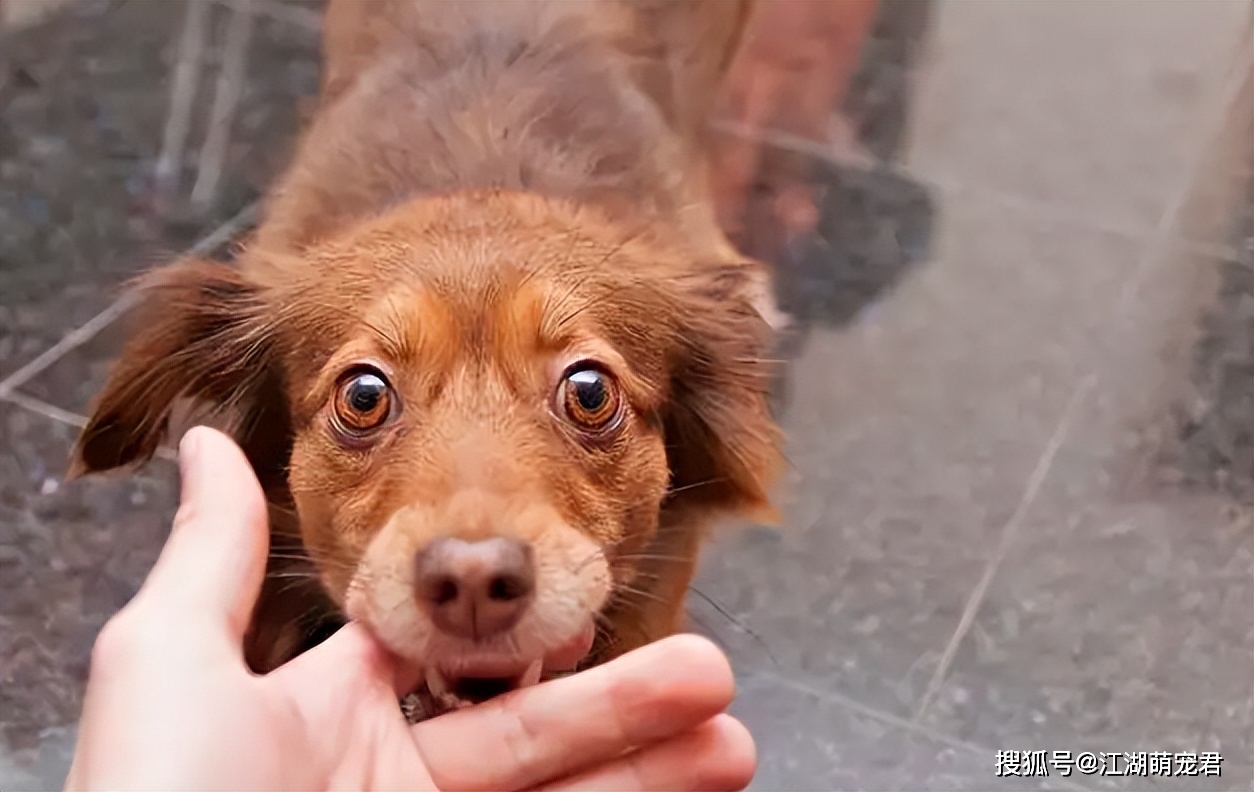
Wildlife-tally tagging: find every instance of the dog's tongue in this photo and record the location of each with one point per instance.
(567, 656)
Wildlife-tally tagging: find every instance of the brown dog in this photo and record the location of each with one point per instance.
(493, 361)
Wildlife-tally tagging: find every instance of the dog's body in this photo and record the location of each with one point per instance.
(488, 323)
(600, 102)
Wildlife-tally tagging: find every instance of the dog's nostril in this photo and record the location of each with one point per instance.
(443, 590)
(474, 589)
(508, 587)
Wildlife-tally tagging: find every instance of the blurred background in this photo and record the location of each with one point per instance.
(1017, 256)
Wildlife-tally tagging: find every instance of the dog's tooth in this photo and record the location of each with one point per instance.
(436, 683)
(532, 675)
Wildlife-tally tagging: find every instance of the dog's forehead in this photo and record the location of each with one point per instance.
(441, 282)
(506, 314)
(422, 317)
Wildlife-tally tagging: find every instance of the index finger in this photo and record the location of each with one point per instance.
(560, 727)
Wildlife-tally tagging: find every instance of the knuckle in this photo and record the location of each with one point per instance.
(117, 640)
(521, 739)
(186, 515)
(137, 632)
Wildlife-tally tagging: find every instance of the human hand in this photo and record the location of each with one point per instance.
(170, 703)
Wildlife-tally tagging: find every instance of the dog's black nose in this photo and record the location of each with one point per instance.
(475, 589)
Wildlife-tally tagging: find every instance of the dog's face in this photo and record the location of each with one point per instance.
(479, 455)
(487, 405)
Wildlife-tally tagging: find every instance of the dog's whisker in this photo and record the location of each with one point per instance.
(670, 557)
(281, 555)
(639, 593)
(293, 574)
(695, 485)
(737, 623)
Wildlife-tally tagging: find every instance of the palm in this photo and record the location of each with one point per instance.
(350, 726)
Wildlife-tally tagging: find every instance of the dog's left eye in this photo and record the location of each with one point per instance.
(589, 398)
(363, 401)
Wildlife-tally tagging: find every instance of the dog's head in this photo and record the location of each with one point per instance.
(480, 407)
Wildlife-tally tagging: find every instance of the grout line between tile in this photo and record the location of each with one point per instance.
(1165, 233)
(1155, 251)
(1009, 532)
(298, 17)
(75, 338)
(50, 411)
(886, 718)
(93, 326)
(1018, 203)
(67, 417)
(1045, 211)
(873, 713)
(814, 149)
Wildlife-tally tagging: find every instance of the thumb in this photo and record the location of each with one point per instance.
(213, 564)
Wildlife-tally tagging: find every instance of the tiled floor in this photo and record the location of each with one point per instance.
(995, 538)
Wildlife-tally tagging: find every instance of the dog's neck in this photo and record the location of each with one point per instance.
(560, 111)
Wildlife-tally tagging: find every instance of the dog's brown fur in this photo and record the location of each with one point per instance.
(489, 192)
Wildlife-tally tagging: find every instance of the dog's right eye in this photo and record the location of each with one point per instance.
(363, 401)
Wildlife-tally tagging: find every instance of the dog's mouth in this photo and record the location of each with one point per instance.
(475, 683)
(457, 682)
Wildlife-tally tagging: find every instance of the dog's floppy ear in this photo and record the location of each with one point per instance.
(199, 335)
(723, 445)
